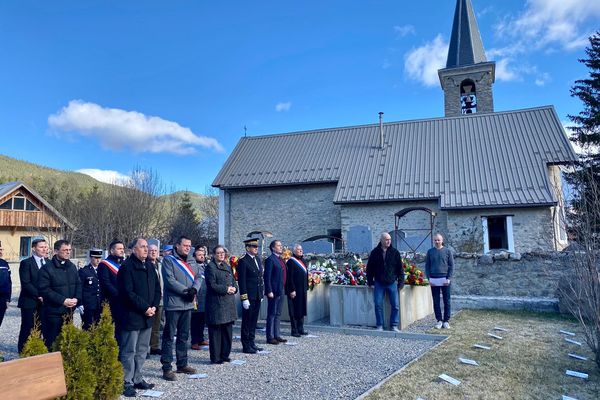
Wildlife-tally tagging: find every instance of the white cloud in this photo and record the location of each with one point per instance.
(118, 129)
(545, 23)
(283, 106)
(586, 150)
(404, 30)
(504, 71)
(386, 64)
(106, 176)
(422, 63)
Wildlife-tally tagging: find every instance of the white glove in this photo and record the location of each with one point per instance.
(246, 304)
(80, 310)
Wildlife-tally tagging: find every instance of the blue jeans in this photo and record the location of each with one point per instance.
(378, 295)
(435, 293)
(273, 317)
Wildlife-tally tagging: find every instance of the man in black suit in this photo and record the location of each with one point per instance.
(107, 275)
(30, 301)
(275, 271)
(91, 301)
(60, 287)
(250, 281)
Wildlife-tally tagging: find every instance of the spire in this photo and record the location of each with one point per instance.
(466, 47)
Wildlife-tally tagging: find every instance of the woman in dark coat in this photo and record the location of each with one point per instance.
(296, 288)
(221, 312)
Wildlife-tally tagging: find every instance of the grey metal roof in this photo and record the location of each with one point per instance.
(466, 47)
(481, 160)
(10, 187)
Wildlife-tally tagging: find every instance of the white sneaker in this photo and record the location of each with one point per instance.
(438, 325)
(446, 325)
(379, 329)
(395, 329)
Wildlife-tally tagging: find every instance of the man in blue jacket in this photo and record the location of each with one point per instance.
(275, 274)
(182, 281)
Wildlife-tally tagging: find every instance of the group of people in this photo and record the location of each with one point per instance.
(159, 303)
(180, 293)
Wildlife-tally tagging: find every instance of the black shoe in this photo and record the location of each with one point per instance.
(296, 335)
(129, 391)
(155, 352)
(272, 341)
(143, 385)
(216, 362)
(258, 348)
(249, 351)
(227, 359)
(304, 333)
(280, 339)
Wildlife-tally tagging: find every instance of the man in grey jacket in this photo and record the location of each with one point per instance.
(182, 281)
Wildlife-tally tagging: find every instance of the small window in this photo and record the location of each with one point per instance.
(18, 203)
(31, 207)
(497, 233)
(25, 246)
(7, 205)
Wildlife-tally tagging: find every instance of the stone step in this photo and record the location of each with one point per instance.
(537, 304)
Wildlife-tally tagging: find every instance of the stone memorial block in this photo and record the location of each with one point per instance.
(495, 336)
(317, 247)
(359, 239)
(566, 332)
(481, 346)
(577, 374)
(575, 342)
(467, 361)
(449, 379)
(577, 357)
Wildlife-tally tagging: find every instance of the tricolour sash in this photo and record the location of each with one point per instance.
(300, 264)
(183, 266)
(112, 266)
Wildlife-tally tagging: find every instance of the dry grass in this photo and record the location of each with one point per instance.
(529, 363)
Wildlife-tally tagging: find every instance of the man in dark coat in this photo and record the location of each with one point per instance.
(296, 288)
(30, 301)
(198, 320)
(60, 287)
(5, 285)
(251, 284)
(139, 292)
(275, 275)
(107, 274)
(385, 272)
(91, 301)
(220, 306)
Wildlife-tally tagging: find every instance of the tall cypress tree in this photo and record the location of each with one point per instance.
(586, 133)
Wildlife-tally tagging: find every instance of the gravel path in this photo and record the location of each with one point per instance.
(330, 366)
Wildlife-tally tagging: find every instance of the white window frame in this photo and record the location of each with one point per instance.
(509, 233)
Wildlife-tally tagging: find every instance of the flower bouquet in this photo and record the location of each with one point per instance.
(326, 270)
(413, 275)
(353, 274)
(233, 262)
(313, 280)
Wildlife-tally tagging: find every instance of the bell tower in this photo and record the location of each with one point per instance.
(468, 77)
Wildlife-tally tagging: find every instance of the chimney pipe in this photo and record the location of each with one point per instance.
(381, 130)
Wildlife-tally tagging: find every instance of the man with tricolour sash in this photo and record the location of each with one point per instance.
(182, 281)
(107, 275)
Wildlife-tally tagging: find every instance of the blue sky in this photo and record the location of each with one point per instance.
(170, 85)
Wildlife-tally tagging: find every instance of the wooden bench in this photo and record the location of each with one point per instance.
(33, 378)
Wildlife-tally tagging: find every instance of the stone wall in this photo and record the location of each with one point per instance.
(291, 213)
(528, 275)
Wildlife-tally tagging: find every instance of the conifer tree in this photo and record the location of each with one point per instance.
(586, 134)
(104, 353)
(79, 371)
(34, 346)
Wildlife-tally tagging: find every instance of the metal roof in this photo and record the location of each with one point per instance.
(466, 47)
(481, 160)
(9, 187)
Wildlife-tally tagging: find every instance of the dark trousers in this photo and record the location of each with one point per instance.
(274, 317)
(296, 321)
(249, 319)
(176, 323)
(198, 323)
(435, 293)
(219, 338)
(28, 317)
(90, 317)
(3, 307)
(159, 319)
(51, 326)
(116, 316)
